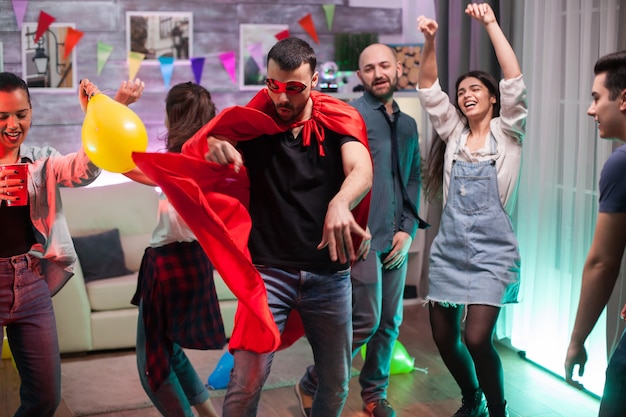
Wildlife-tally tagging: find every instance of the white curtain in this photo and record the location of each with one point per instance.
(562, 159)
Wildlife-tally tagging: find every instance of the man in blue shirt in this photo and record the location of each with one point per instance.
(379, 275)
(608, 108)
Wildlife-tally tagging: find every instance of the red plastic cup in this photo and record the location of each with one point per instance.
(21, 172)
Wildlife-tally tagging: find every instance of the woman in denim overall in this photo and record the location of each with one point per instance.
(474, 261)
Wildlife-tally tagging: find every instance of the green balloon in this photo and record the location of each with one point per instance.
(401, 362)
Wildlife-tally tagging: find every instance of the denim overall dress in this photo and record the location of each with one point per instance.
(474, 258)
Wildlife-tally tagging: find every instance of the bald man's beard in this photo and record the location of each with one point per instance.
(391, 86)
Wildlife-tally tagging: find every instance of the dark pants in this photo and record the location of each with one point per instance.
(613, 402)
(26, 311)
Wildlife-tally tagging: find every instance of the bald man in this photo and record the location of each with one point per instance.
(379, 275)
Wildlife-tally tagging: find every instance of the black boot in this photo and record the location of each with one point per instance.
(499, 410)
(474, 405)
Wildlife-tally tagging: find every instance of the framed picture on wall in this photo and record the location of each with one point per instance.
(44, 64)
(409, 56)
(255, 41)
(160, 34)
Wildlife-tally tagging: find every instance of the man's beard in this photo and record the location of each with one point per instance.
(295, 112)
(384, 94)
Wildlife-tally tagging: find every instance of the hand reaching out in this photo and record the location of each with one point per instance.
(339, 225)
(129, 91)
(481, 12)
(223, 152)
(86, 90)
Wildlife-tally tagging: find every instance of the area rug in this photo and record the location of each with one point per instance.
(105, 383)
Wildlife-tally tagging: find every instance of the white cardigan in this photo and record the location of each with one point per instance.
(508, 131)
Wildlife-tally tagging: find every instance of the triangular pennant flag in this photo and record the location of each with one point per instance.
(167, 68)
(282, 35)
(307, 23)
(71, 39)
(197, 66)
(228, 61)
(329, 11)
(45, 20)
(134, 62)
(103, 53)
(19, 8)
(256, 52)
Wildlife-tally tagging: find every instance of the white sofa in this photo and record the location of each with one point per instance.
(98, 315)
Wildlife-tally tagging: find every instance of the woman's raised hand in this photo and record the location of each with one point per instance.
(481, 12)
(427, 26)
(129, 91)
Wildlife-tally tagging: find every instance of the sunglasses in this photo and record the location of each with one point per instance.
(290, 87)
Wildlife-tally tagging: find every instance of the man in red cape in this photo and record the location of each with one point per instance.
(213, 199)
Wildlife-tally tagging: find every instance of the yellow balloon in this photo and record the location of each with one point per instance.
(111, 133)
(6, 350)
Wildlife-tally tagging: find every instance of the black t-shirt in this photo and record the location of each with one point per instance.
(17, 230)
(290, 188)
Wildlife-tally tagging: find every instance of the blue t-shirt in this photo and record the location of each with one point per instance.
(613, 183)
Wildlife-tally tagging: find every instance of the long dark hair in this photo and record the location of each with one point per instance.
(10, 82)
(432, 174)
(188, 107)
(432, 171)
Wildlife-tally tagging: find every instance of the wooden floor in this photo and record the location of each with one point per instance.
(530, 391)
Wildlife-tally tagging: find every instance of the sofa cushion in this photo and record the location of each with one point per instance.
(101, 255)
(223, 292)
(112, 293)
(134, 247)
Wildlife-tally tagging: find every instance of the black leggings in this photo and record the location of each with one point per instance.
(476, 363)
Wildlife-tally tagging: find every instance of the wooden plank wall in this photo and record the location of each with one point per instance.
(57, 117)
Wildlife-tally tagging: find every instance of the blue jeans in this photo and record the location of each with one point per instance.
(376, 317)
(26, 311)
(183, 387)
(325, 305)
(613, 402)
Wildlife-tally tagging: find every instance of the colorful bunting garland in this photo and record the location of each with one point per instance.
(44, 22)
(256, 53)
(71, 39)
(135, 59)
(228, 61)
(307, 23)
(282, 35)
(19, 8)
(329, 11)
(167, 69)
(103, 53)
(197, 66)
(134, 62)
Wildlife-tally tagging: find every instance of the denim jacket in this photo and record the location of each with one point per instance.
(47, 171)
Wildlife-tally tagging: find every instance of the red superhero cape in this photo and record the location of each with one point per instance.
(213, 199)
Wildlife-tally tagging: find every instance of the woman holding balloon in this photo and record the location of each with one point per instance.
(36, 251)
(176, 294)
